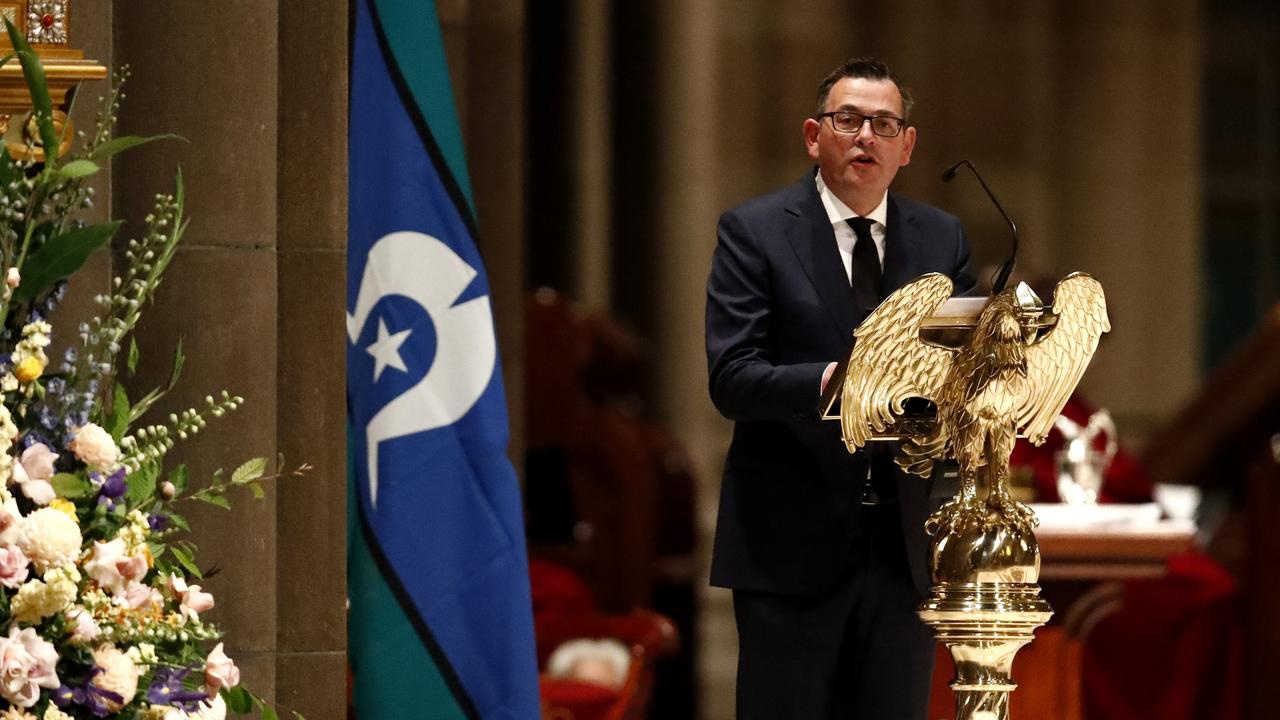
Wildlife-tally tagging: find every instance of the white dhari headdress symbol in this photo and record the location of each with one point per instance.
(426, 271)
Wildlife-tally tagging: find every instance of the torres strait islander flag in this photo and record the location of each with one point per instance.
(440, 621)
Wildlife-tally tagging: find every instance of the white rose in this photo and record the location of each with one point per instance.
(95, 447)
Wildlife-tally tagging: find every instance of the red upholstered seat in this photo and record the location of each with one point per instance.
(563, 611)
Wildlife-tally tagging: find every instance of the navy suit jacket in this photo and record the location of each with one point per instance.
(779, 309)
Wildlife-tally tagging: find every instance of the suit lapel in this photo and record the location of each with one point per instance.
(814, 242)
(900, 247)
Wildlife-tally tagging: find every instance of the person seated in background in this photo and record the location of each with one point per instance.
(604, 662)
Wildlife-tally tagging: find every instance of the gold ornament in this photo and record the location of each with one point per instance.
(1008, 374)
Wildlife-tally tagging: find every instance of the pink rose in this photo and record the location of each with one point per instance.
(27, 663)
(192, 599)
(40, 492)
(103, 566)
(37, 461)
(32, 473)
(219, 671)
(131, 567)
(84, 628)
(10, 523)
(138, 596)
(13, 567)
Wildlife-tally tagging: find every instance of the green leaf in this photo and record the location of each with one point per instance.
(178, 476)
(182, 553)
(132, 362)
(70, 486)
(38, 86)
(61, 256)
(78, 169)
(143, 404)
(248, 472)
(142, 484)
(269, 713)
(125, 142)
(219, 500)
(117, 423)
(157, 549)
(8, 170)
(258, 492)
(178, 359)
(178, 521)
(238, 699)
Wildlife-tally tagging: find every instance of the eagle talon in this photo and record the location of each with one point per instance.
(962, 513)
(1014, 512)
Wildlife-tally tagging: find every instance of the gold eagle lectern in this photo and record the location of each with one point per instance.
(1014, 371)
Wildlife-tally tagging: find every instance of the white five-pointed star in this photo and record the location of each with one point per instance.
(386, 350)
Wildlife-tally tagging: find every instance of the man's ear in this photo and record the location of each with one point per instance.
(908, 144)
(811, 129)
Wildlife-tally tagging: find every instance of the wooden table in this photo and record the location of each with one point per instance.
(1111, 552)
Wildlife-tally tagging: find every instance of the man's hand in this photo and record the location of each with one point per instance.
(826, 378)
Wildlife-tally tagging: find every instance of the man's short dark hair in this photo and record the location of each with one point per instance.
(864, 67)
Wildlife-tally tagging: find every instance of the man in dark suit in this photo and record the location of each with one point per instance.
(825, 551)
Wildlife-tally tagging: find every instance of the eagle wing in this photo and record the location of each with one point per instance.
(1056, 363)
(889, 363)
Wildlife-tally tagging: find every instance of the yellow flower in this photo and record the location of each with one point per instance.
(29, 369)
(65, 506)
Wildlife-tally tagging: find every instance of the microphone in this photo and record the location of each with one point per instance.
(1002, 276)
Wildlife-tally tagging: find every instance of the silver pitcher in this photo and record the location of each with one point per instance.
(1080, 465)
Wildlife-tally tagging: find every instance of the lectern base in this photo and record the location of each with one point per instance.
(984, 627)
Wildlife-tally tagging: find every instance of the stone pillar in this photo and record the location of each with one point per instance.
(592, 127)
(686, 208)
(310, 342)
(256, 295)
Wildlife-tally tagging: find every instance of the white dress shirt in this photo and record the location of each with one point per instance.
(839, 213)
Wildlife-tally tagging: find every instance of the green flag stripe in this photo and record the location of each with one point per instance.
(400, 674)
(411, 31)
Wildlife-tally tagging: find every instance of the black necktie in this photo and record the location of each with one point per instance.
(866, 276)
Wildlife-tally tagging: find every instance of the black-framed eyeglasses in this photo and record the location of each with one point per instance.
(851, 122)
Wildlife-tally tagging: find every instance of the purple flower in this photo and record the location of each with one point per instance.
(89, 696)
(158, 523)
(168, 689)
(32, 437)
(64, 696)
(114, 486)
(95, 700)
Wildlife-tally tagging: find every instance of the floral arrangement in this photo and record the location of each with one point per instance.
(101, 606)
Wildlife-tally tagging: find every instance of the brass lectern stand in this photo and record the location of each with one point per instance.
(994, 368)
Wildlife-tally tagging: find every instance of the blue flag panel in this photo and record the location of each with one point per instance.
(435, 505)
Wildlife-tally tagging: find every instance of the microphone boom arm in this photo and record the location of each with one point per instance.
(1002, 277)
